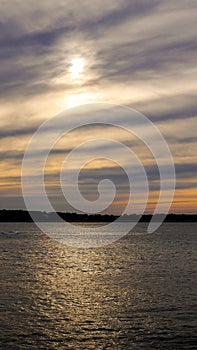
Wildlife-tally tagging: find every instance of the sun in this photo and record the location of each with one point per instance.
(76, 67)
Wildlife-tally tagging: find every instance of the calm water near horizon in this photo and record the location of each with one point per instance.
(137, 293)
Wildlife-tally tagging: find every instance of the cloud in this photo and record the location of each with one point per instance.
(17, 132)
(34, 55)
(142, 54)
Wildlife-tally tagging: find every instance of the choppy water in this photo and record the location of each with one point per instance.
(138, 293)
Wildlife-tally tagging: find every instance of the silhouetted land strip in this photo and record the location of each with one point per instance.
(24, 216)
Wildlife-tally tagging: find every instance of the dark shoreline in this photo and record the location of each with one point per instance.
(24, 216)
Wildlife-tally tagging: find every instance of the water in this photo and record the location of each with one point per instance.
(137, 293)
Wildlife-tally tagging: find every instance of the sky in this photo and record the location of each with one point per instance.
(57, 55)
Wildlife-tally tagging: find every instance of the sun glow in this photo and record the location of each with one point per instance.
(76, 67)
(80, 99)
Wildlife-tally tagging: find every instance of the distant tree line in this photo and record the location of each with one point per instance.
(24, 216)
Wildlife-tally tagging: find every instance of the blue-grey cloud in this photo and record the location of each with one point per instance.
(17, 132)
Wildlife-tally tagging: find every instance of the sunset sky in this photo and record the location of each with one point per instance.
(56, 55)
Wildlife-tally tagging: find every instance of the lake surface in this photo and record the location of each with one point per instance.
(137, 293)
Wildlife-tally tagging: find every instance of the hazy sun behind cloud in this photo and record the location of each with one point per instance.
(77, 67)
